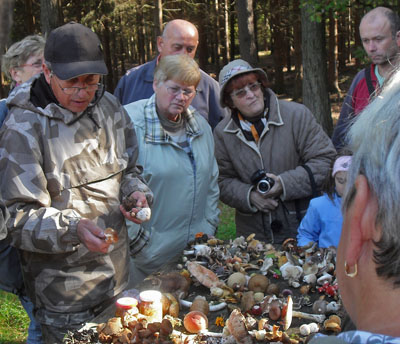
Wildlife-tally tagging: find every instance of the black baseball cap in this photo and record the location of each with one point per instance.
(73, 50)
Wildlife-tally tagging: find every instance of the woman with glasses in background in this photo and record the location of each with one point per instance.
(176, 150)
(21, 62)
(271, 155)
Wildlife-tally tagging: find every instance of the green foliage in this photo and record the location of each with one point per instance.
(14, 321)
(316, 9)
(226, 227)
(359, 53)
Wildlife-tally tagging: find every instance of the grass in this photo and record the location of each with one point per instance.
(226, 227)
(14, 321)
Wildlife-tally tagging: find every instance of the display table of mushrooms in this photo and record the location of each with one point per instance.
(241, 291)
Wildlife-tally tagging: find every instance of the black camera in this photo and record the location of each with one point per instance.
(262, 182)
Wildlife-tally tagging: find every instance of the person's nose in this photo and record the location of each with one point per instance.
(372, 46)
(180, 95)
(249, 92)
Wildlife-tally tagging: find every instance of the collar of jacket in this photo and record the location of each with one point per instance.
(149, 75)
(155, 133)
(274, 118)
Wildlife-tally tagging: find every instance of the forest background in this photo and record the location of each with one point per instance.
(303, 45)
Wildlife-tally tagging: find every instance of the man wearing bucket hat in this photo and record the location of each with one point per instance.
(68, 155)
(272, 155)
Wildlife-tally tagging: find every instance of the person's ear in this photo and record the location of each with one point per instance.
(361, 216)
(154, 86)
(16, 75)
(398, 38)
(160, 44)
(46, 72)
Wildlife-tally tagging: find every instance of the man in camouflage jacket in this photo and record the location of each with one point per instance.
(67, 159)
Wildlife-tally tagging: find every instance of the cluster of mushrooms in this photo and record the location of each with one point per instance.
(257, 287)
(241, 291)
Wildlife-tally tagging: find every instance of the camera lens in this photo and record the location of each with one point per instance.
(263, 186)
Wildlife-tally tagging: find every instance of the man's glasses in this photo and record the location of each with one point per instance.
(175, 91)
(76, 89)
(240, 93)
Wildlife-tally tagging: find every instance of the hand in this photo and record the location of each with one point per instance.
(140, 201)
(92, 236)
(262, 202)
(277, 190)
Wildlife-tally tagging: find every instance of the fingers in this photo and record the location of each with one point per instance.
(130, 215)
(92, 236)
(140, 197)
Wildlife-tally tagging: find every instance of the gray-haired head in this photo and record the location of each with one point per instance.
(18, 53)
(379, 162)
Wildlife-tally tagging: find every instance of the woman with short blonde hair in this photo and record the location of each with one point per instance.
(176, 150)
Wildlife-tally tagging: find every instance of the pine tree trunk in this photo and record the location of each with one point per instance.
(278, 46)
(298, 63)
(50, 15)
(247, 45)
(315, 90)
(332, 55)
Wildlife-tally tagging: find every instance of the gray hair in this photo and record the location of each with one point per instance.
(20, 52)
(379, 162)
(181, 68)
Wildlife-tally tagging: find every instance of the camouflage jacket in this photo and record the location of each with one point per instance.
(3, 220)
(57, 167)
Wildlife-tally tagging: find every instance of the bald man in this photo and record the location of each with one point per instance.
(380, 36)
(179, 37)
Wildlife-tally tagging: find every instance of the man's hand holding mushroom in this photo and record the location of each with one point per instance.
(135, 207)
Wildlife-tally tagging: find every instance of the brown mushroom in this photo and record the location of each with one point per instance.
(200, 304)
(258, 283)
(274, 310)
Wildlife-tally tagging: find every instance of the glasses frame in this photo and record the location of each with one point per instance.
(238, 93)
(34, 65)
(178, 90)
(73, 90)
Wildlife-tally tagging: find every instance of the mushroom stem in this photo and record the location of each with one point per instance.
(315, 317)
(213, 308)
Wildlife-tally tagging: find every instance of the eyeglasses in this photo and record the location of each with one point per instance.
(36, 64)
(175, 90)
(76, 89)
(240, 93)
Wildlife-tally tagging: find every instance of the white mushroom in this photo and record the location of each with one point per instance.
(310, 279)
(144, 214)
(305, 330)
(333, 306)
(291, 273)
(324, 278)
(268, 262)
(313, 327)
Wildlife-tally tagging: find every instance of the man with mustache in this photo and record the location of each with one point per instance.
(380, 36)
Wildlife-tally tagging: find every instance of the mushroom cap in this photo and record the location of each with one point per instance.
(258, 283)
(236, 279)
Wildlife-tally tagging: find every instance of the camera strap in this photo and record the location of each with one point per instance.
(314, 192)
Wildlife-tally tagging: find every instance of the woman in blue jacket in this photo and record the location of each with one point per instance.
(322, 223)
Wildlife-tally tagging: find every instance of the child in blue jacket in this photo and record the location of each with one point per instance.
(323, 221)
